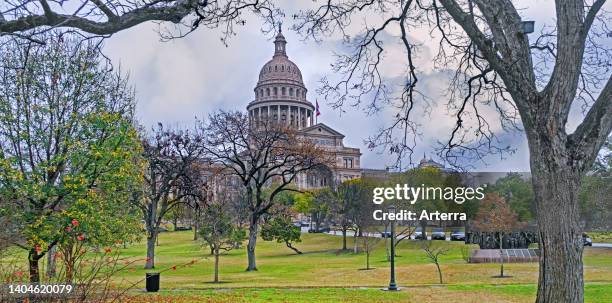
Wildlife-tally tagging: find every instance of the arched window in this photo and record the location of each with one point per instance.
(283, 91)
(276, 91)
(269, 68)
(289, 68)
(282, 68)
(297, 92)
(268, 92)
(291, 91)
(275, 68)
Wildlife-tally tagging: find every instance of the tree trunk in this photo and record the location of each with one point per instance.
(216, 265)
(252, 242)
(424, 229)
(69, 267)
(367, 259)
(501, 253)
(151, 250)
(297, 251)
(343, 238)
(195, 227)
(51, 268)
(33, 266)
(556, 184)
(439, 273)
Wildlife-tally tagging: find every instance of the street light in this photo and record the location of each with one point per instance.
(392, 285)
(527, 27)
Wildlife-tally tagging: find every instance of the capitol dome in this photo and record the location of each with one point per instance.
(280, 94)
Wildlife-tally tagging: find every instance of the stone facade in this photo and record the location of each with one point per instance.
(281, 96)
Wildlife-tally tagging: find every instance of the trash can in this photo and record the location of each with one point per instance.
(152, 281)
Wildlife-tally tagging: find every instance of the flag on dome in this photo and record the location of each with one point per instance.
(317, 108)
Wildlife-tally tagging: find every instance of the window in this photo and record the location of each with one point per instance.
(291, 91)
(282, 68)
(283, 91)
(348, 162)
(275, 68)
(268, 92)
(276, 91)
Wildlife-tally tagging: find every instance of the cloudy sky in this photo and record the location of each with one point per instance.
(193, 76)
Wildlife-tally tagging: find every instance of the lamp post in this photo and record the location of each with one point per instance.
(392, 285)
(527, 27)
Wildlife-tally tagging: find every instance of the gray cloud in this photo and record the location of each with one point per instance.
(196, 75)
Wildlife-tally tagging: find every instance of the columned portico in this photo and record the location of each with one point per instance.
(280, 94)
(281, 97)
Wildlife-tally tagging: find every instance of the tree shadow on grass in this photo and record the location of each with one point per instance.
(306, 253)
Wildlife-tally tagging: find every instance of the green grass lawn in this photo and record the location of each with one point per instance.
(323, 274)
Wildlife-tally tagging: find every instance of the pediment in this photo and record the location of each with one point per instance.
(321, 129)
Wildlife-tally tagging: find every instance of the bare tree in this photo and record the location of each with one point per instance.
(219, 230)
(434, 252)
(29, 18)
(264, 157)
(532, 85)
(171, 175)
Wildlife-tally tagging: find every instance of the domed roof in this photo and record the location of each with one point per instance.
(280, 68)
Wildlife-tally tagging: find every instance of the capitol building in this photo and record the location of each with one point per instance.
(281, 96)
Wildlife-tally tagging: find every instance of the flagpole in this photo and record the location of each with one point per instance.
(317, 112)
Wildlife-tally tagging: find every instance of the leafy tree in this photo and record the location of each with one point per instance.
(348, 197)
(218, 230)
(316, 203)
(429, 177)
(66, 137)
(495, 215)
(595, 198)
(282, 230)
(519, 194)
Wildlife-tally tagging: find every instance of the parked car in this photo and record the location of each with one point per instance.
(418, 233)
(320, 230)
(162, 229)
(586, 240)
(438, 234)
(385, 234)
(457, 235)
(179, 228)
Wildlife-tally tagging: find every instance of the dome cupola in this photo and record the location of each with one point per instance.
(280, 93)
